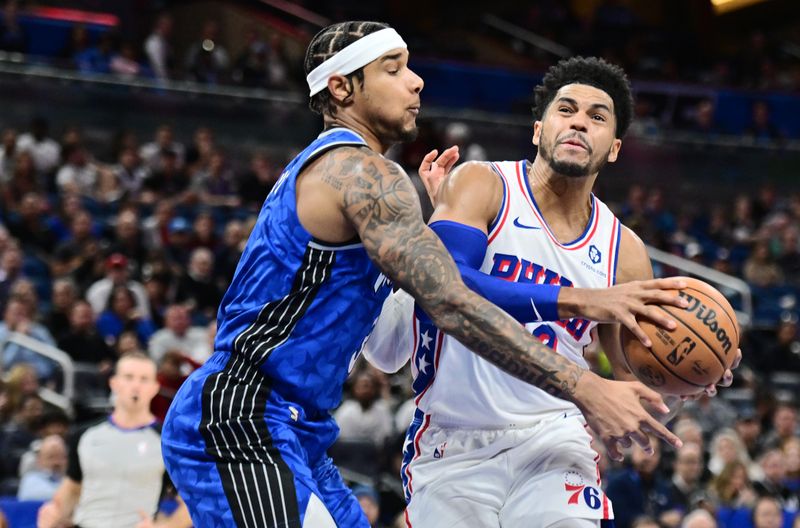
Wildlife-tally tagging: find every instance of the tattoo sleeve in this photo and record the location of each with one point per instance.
(382, 204)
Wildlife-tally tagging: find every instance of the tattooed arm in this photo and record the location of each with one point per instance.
(382, 205)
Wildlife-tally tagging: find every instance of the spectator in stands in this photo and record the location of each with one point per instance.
(156, 226)
(31, 227)
(97, 59)
(173, 369)
(117, 274)
(767, 513)
(230, 250)
(25, 290)
(255, 184)
(128, 343)
(743, 225)
(727, 447)
(180, 243)
(18, 434)
(122, 314)
(157, 283)
(45, 150)
(791, 450)
(215, 185)
(784, 354)
(83, 342)
(699, 518)
(704, 121)
(12, 35)
(128, 240)
(164, 141)
(197, 288)
(41, 483)
(21, 382)
(78, 258)
(789, 259)
(125, 63)
(784, 426)
(167, 182)
(748, 427)
(17, 319)
(207, 60)
(23, 181)
(366, 417)
(761, 129)
(639, 489)
(250, 67)
(198, 153)
(109, 190)
(687, 490)
(130, 171)
(760, 268)
(732, 488)
(773, 465)
(65, 294)
(370, 502)
(158, 49)
(8, 154)
(115, 473)
(204, 232)
(10, 271)
(277, 63)
(179, 336)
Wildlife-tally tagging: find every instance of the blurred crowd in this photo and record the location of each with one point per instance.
(261, 63)
(763, 58)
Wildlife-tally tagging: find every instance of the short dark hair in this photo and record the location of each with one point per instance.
(325, 45)
(591, 71)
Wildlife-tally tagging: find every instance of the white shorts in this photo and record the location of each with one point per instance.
(540, 476)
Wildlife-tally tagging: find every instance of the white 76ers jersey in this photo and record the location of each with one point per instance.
(455, 387)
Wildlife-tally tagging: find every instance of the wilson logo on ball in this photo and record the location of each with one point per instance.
(708, 317)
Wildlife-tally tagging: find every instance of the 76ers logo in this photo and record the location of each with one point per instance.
(580, 492)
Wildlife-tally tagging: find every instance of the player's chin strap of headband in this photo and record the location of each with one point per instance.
(358, 54)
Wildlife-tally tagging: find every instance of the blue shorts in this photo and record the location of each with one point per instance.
(242, 456)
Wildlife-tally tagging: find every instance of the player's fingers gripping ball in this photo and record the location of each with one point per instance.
(696, 353)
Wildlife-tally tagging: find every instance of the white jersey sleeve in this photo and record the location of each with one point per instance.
(391, 342)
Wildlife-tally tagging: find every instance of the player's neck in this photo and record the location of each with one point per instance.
(567, 196)
(132, 419)
(352, 122)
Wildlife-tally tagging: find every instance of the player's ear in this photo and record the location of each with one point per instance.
(537, 132)
(614, 152)
(341, 88)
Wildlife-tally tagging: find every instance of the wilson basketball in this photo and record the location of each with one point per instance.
(683, 361)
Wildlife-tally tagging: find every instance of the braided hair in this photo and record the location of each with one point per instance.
(325, 45)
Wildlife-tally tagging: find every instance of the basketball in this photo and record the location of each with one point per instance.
(696, 353)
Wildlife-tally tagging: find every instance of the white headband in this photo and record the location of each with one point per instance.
(349, 59)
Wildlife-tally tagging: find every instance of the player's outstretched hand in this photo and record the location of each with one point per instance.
(613, 409)
(433, 170)
(625, 303)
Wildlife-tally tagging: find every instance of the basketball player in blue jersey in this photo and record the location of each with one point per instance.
(245, 439)
(484, 449)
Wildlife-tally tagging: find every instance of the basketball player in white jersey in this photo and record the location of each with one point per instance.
(485, 450)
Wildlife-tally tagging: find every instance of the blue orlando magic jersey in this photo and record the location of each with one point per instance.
(298, 308)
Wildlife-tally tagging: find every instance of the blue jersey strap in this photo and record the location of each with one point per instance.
(525, 302)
